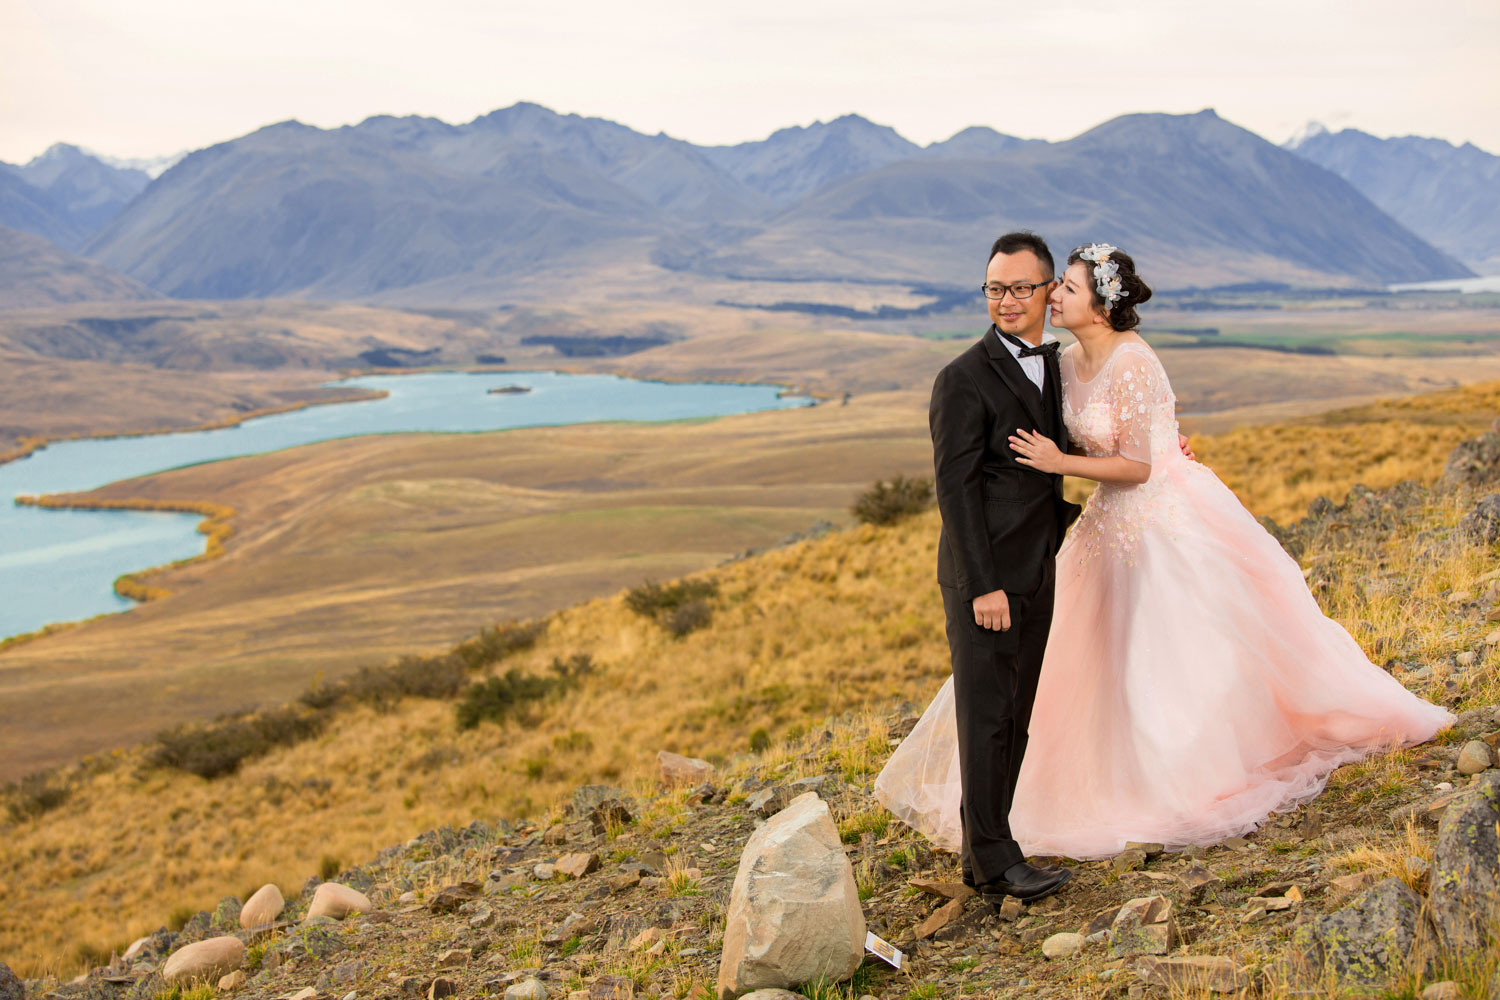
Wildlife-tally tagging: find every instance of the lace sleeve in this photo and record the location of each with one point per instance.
(1135, 389)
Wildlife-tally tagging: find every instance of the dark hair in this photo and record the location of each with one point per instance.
(1024, 240)
(1122, 315)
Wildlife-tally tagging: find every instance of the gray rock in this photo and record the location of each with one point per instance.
(794, 914)
(1482, 524)
(1475, 463)
(1143, 926)
(1064, 945)
(1365, 939)
(587, 798)
(1464, 900)
(531, 989)
(769, 801)
(227, 914)
(11, 987)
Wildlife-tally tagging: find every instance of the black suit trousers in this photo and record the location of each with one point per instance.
(995, 677)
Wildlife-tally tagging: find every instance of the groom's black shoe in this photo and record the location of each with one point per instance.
(1025, 882)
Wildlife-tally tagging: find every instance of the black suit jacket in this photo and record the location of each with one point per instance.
(1002, 521)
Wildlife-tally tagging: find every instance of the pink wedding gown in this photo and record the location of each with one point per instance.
(1191, 685)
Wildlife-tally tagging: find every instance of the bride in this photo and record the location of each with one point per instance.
(1191, 685)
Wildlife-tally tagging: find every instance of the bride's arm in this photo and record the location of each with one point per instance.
(1040, 452)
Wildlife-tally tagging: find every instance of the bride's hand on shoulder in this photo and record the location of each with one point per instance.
(1036, 451)
(1187, 449)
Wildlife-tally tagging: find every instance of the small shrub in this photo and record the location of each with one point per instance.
(219, 747)
(495, 699)
(35, 795)
(687, 618)
(178, 918)
(887, 503)
(660, 601)
(329, 866)
(760, 740)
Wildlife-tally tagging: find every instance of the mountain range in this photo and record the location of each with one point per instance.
(1446, 194)
(414, 210)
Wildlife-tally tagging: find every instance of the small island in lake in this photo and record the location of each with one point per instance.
(509, 390)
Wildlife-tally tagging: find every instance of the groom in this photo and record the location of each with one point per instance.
(1002, 525)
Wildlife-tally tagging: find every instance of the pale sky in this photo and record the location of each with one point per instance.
(151, 77)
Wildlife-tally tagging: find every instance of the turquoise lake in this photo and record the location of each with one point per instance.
(59, 566)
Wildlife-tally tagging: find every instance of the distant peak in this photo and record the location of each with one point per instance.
(58, 151)
(1305, 134)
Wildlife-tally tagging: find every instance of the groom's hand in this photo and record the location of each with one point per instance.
(992, 611)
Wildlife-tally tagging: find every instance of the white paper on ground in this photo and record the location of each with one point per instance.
(883, 950)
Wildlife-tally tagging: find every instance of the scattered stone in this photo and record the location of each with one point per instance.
(576, 865)
(1152, 851)
(1064, 945)
(1144, 926)
(622, 883)
(1011, 908)
(1239, 844)
(1129, 860)
(531, 989)
(612, 988)
(544, 871)
(1347, 885)
(453, 958)
(775, 995)
(1464, 901)
(481, 917)
(1467, 658)
(441, 987)
(139, 945)
(1493, 639)
(769, 801)
(1200, 883)
(499, 882)
(1183, 973)
(337, 901)
(1474, 757)
(233, 981)
(1362, 941)
(948, 890)
(794, 913)
(451, 897)
(305, 993)
(208, 959)
(1275, 889)
(647, 938)
(940, 918)
(1445, 990)
(675, 769)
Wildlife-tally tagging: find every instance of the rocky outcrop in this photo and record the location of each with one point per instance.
(1482, 524)
(1464, 901)
(11, 988)
(794, 913)
(1476, 463)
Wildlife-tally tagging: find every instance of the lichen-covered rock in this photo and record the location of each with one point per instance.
(226, 914)
(204, 960)
(794, 913)
(1482, 524)
(1464, 899)
(1143, 926)
(1366, 939)
(1475, 463)
(11, 987)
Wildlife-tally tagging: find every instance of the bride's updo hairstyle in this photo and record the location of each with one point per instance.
(1122, 315)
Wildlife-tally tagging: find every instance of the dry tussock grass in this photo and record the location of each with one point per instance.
(848, 622)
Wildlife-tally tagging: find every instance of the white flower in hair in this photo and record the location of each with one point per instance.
(1106, 272)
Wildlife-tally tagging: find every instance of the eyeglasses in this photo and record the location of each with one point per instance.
(1021, 289)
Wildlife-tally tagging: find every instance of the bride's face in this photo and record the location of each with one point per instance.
(1072, 301)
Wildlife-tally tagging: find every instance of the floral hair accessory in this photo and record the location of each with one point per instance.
(1106, 272)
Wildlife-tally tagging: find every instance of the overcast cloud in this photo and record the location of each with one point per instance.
(151, 77)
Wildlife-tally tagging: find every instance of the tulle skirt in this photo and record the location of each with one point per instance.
(1191, 686)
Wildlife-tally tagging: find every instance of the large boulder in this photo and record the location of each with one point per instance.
(204, 961)
(262, 908)
(794, 913)
(337, 901)
(1464, 900)
(1365, 940)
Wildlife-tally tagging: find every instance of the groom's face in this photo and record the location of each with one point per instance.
(1019, 317)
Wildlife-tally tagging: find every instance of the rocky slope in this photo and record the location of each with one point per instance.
(1386, 883)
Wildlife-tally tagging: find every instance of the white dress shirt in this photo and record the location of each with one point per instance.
(1035, 366)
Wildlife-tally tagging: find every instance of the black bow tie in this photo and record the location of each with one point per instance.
(1049, 349)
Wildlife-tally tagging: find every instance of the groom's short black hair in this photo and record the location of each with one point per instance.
(1024, 240)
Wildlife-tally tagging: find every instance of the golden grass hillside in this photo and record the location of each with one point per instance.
(821, 627)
